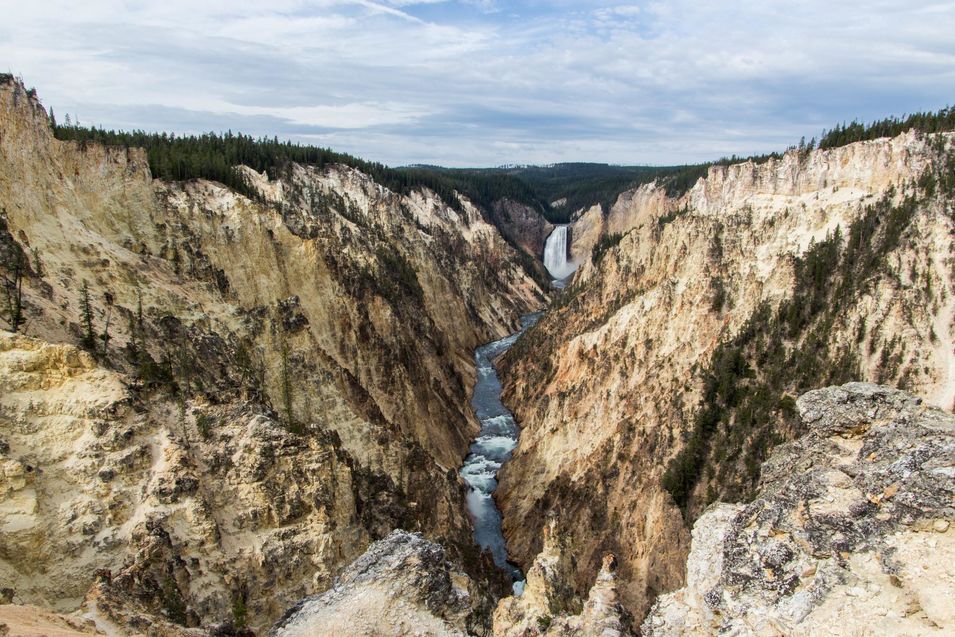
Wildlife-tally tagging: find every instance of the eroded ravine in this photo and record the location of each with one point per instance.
(491, 449)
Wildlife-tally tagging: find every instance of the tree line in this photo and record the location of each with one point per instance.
(214, 156)
(941, 121)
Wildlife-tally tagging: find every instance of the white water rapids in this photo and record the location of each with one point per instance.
(490, 450)
(555, 254)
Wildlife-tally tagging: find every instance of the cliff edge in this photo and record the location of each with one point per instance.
(850, 530)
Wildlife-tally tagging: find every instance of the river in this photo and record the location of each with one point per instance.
(490, 450)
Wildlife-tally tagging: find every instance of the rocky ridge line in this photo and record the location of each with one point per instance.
(609, 385)
(850, 532)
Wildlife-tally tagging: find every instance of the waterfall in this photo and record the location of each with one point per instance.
(555, 254)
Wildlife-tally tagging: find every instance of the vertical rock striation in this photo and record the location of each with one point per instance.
(270, 385)
(675, 359)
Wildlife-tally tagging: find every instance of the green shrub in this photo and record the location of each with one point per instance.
(603, 244)
(172, 602)
(204, 424)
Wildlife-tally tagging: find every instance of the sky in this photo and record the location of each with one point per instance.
(488, 82)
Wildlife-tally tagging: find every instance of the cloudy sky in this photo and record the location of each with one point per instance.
(488, 82)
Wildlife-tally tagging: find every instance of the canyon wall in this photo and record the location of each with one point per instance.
(524, 226)
(663, 376)
(850, 528)
(216, 402)
(850, 532)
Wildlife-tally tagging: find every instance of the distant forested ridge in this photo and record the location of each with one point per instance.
(582, 185)
(556, 191)
(568, 187)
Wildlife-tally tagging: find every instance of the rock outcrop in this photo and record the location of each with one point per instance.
(850, 532)
(32, 621)
(402, 585)
(586, 229)
(548, 605)
(523, 225)
(267, 385)
(687, 343)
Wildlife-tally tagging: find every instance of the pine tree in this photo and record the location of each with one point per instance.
(86, 314)
(108, 298)
(14, 263)
(37, 262)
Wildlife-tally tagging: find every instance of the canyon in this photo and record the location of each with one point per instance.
(683, 345)
(307, 405)
(285, 379)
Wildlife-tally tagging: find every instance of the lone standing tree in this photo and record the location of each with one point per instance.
(14, 266)
(86, 314)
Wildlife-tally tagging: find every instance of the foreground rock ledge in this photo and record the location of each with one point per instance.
(402, 585)
(850, 533)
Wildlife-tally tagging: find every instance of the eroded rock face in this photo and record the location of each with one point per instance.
(849, 533)
(608, 385)
(586, 229)
(286, 379)
(402, 585)
(523, 225)
(548, 605)
(185, 519)
(32, 621)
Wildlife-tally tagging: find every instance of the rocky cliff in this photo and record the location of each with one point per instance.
(664, 375)
(850, 532)
(523, 225)
(402, 585)
(220, 401)
(549, 606)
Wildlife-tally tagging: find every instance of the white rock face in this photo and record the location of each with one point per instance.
(91, 483)
(849, 534)
(403, 585)
(53, 401)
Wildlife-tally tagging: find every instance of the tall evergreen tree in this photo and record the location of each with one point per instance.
(14, 269)
(86, 316)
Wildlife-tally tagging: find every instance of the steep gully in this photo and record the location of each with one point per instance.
(497, 438)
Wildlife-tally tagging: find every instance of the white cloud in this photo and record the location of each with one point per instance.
(479, 82)
(346, 116)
